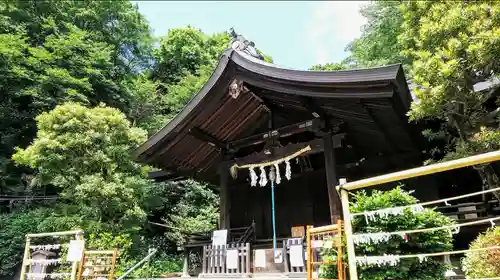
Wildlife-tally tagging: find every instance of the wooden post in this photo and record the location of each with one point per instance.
(340, 264)
(248, 254)
(309, 255)
(74, 265)
(224, 199)
(331, 178)
(26, 257)
(185, 267)
(351, 254)
(113, 264)
(81, 266)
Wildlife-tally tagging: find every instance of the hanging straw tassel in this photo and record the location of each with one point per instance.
(288, 171)
(278, 177)
(263, 178)
(253, 177)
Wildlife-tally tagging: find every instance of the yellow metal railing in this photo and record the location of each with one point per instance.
(345, 187)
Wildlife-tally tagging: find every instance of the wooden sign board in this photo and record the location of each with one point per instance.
(298, 231)
(270, 265)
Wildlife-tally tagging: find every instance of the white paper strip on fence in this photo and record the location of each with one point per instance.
(232, 259)
(48, 275)
(47, 247)
(393, 211)
(75, 250)
(219, 237)
(375, 238)
(317, 243)
(418, 205)
(390, 260)
(296, 256)
(46, 262)
(260, 258)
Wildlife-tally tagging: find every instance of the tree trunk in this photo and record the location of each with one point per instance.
(489, 178)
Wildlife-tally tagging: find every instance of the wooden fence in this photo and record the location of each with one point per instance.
(317, 237)
(293, 271)
(214, 260)
(97, 264)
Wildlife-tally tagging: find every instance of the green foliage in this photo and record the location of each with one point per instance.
(452, 48)
(483, 264)
(328, 254)
(180, 93)
(329, 67)
(86, 153)
(184, 50)
(378, 43)
(75, 86)
(426, 242)
(12, 237)
(186, 207)
(52, 52)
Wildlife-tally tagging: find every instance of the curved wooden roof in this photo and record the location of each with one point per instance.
(373, 102)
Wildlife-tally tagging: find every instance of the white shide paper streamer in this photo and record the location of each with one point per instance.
(375, 238)
(385, 260)
(47, 247)
(371, 216)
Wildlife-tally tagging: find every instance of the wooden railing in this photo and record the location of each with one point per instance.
(215, 260)
(470, 211)
(248, 235)
(316, 238)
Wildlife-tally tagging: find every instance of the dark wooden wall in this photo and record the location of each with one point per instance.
(300, 201)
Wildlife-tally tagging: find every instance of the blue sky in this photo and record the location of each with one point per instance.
(295, 34)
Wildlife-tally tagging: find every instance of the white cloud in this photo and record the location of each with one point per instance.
(333, 25)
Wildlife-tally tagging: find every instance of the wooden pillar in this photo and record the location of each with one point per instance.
(224, 199)
(331, 179)
(185, 267)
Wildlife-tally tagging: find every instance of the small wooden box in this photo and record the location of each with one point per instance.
(298, 231)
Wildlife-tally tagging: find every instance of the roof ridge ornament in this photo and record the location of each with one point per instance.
(239, 43)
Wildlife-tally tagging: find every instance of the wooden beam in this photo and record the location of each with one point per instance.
(331, 179)
(224, 200)
(310, 125)
(314, 108)
(206, 137)
(317, 146)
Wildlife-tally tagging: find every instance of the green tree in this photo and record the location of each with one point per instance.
(378, 44)
(483, 264)
(329, 67)
(184, 50)
(86, 153)
(426, 242)
(52, 52)
(453, 46)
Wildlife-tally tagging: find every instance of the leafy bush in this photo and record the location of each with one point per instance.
(328, 254)
(427, 242)
(483, 264)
